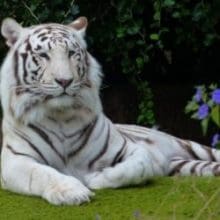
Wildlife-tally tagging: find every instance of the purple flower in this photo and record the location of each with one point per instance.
(215, 140)
(216, 96)
(203, 111)
(198, 95)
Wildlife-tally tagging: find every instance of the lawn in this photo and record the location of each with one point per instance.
(163, 198)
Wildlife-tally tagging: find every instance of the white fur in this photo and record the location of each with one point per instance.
(65, 146)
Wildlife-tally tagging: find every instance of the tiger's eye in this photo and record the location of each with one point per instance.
(71, 53)
(44, 55)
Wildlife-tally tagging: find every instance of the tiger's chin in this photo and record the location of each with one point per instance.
(61, 108)
(60, 102)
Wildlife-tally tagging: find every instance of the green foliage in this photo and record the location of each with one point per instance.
(135, 38)
(143, 35)
(146, 113)
(205, 106)
(38, 11)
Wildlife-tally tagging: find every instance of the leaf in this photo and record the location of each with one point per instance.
(215, 114)
(195, 116)
(191, 106)
(75, 10)
(176, 14)
(154, 36)
(204, 124)
(157, 16)
(210, 103)
(213, 86)
(209, 39)
(169, 3)
(120, 32)
(140, 118)
(140, 42)
(133, 30)
(140, 62)
(218, 145)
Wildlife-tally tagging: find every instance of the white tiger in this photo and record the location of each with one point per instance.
(57, 143)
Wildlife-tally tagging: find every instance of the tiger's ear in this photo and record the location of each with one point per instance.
(80, 24)
(10, 31)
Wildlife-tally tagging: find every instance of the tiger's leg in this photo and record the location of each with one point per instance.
(187, 167)
(23, 174)
(138, 167)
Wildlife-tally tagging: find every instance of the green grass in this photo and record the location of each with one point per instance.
(163, 198)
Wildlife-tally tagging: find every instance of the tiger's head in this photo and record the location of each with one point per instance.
(48, 70)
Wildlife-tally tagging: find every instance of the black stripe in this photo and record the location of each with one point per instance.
(52, 119)
(30, 105)
(103, 150)
(136, 138)
(16, 68)
(88, 134)
(20, 154)
(177, 159)
(126, 135)
(191, 151)
(38, 30)
(49, 46)
(44, 38)
(87, 83)
(80, 131)
(137, 130)
(25, 74)
(38, 47)
(35, 72)
(193, 168)
(46, 138)
(28, 46)
(70, 119)
(188, 147)
(52, 132)
(99, 133)
(178, 167)
(204, 165)
(42, 34)
(65, 35)
(216, 170)
(41, 75)
(33, 147)
(35, 60)
(119, 156)
(86, 59)
(210, 153)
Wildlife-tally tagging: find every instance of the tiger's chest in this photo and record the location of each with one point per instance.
(70, 147)
(49, 142)
(61, 138)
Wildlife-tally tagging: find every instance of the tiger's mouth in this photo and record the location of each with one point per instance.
(61, 95)
(64, 93)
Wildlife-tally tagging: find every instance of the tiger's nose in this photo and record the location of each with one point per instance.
(64, 82)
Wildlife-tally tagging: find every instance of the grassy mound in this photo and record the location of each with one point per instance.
(163, 198)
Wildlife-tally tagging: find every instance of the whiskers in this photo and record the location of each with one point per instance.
(37, 88)
(20, 89)
(73, 88)
(51, 90)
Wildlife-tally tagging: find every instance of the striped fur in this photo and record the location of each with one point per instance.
(57, 143)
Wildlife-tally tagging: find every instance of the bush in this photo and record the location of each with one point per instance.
(141, 40)
(205, 107)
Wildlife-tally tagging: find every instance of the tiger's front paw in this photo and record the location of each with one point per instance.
(99, 180)
(95, 180)
(68, 191)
